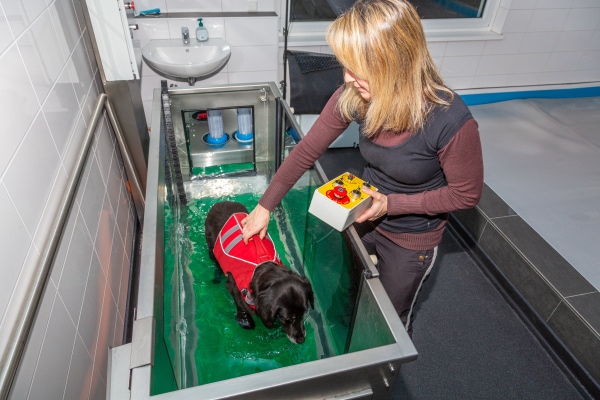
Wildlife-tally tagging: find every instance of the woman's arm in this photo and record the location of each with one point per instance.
(328, 127)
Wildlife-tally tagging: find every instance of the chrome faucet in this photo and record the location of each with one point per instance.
(185, 32)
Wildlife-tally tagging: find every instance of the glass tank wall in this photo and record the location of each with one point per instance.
(355, 342)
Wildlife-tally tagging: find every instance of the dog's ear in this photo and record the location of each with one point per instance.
(310, 297)
(267, 311)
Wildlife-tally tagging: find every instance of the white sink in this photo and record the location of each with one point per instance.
(194, 60)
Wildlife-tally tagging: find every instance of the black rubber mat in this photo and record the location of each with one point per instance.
(471, 343)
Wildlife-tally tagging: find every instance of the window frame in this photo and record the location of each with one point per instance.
(450, 29)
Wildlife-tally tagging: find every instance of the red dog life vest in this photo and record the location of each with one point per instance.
(240, 259)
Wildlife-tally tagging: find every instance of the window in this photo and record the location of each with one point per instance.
(442, 19)
(327, 10)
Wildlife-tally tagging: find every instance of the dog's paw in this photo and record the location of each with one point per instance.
(245, 320)
(217, 276)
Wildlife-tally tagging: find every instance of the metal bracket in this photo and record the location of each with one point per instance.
(142, 343)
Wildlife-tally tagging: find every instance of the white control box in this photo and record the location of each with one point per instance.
(340, 201)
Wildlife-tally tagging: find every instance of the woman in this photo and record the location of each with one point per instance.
(419, 139)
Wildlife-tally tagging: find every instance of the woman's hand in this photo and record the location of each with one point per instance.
(377, 209)
(256, 223)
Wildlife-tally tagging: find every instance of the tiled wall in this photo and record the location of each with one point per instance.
(49, 86)
(546, 42)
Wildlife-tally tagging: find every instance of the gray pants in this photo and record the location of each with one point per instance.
(401, 271)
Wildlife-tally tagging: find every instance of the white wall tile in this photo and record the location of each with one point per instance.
(523, 4)
(114, 187)
(18, 103)
(93, 198)
(517, 20)
(63, 45)
(538, 42)
(73, 147)
(38, 158)
(80, 72)
(267, 5)
(589, 75)
(252, 58)
(586, 3)
(459, 82)
(105, 237)
(590, 60)
(523, 79)
(20, 14)
(237, 31)
(151, 29)
(237, 5)
(6, 36)
(104, 149)
(575, 40)
(436, 49)
(507, 45)
(61, 110)
(91, 309)
(547, 20)
(468, 48)
(489, 81)
(106, 331)
(194, 5)
(73, 279)
(80, 372)
(66, 25)
(123, 289)
(22, 383)
(14, 244)
(38, 49)
(564, 61)
(63, 246)
(114, 266)
(459, 66)
(529, 63)
(554, 3)
(498, 64)
(250, 77)
(580, 19)
(98, 387)
(50, 376)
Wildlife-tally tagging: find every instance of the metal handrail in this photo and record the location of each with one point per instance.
(18, 320)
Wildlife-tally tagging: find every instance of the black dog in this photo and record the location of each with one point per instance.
(255, 277)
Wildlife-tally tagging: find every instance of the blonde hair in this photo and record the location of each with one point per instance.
(382, 42)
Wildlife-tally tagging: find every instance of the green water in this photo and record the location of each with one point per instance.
(216, 170)
(203, 341)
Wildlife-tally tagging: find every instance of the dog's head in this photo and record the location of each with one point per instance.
(284, 296)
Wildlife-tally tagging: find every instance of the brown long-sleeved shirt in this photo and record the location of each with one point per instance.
(425, 174)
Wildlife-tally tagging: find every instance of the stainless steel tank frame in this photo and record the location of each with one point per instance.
(361, 373)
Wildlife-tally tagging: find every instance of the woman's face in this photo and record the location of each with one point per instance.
(360, 84)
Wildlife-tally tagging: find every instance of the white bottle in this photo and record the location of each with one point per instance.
(201, 32)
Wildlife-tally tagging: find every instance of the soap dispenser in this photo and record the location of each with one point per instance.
(201, 32)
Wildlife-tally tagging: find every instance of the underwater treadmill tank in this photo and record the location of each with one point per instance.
(186, 343)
